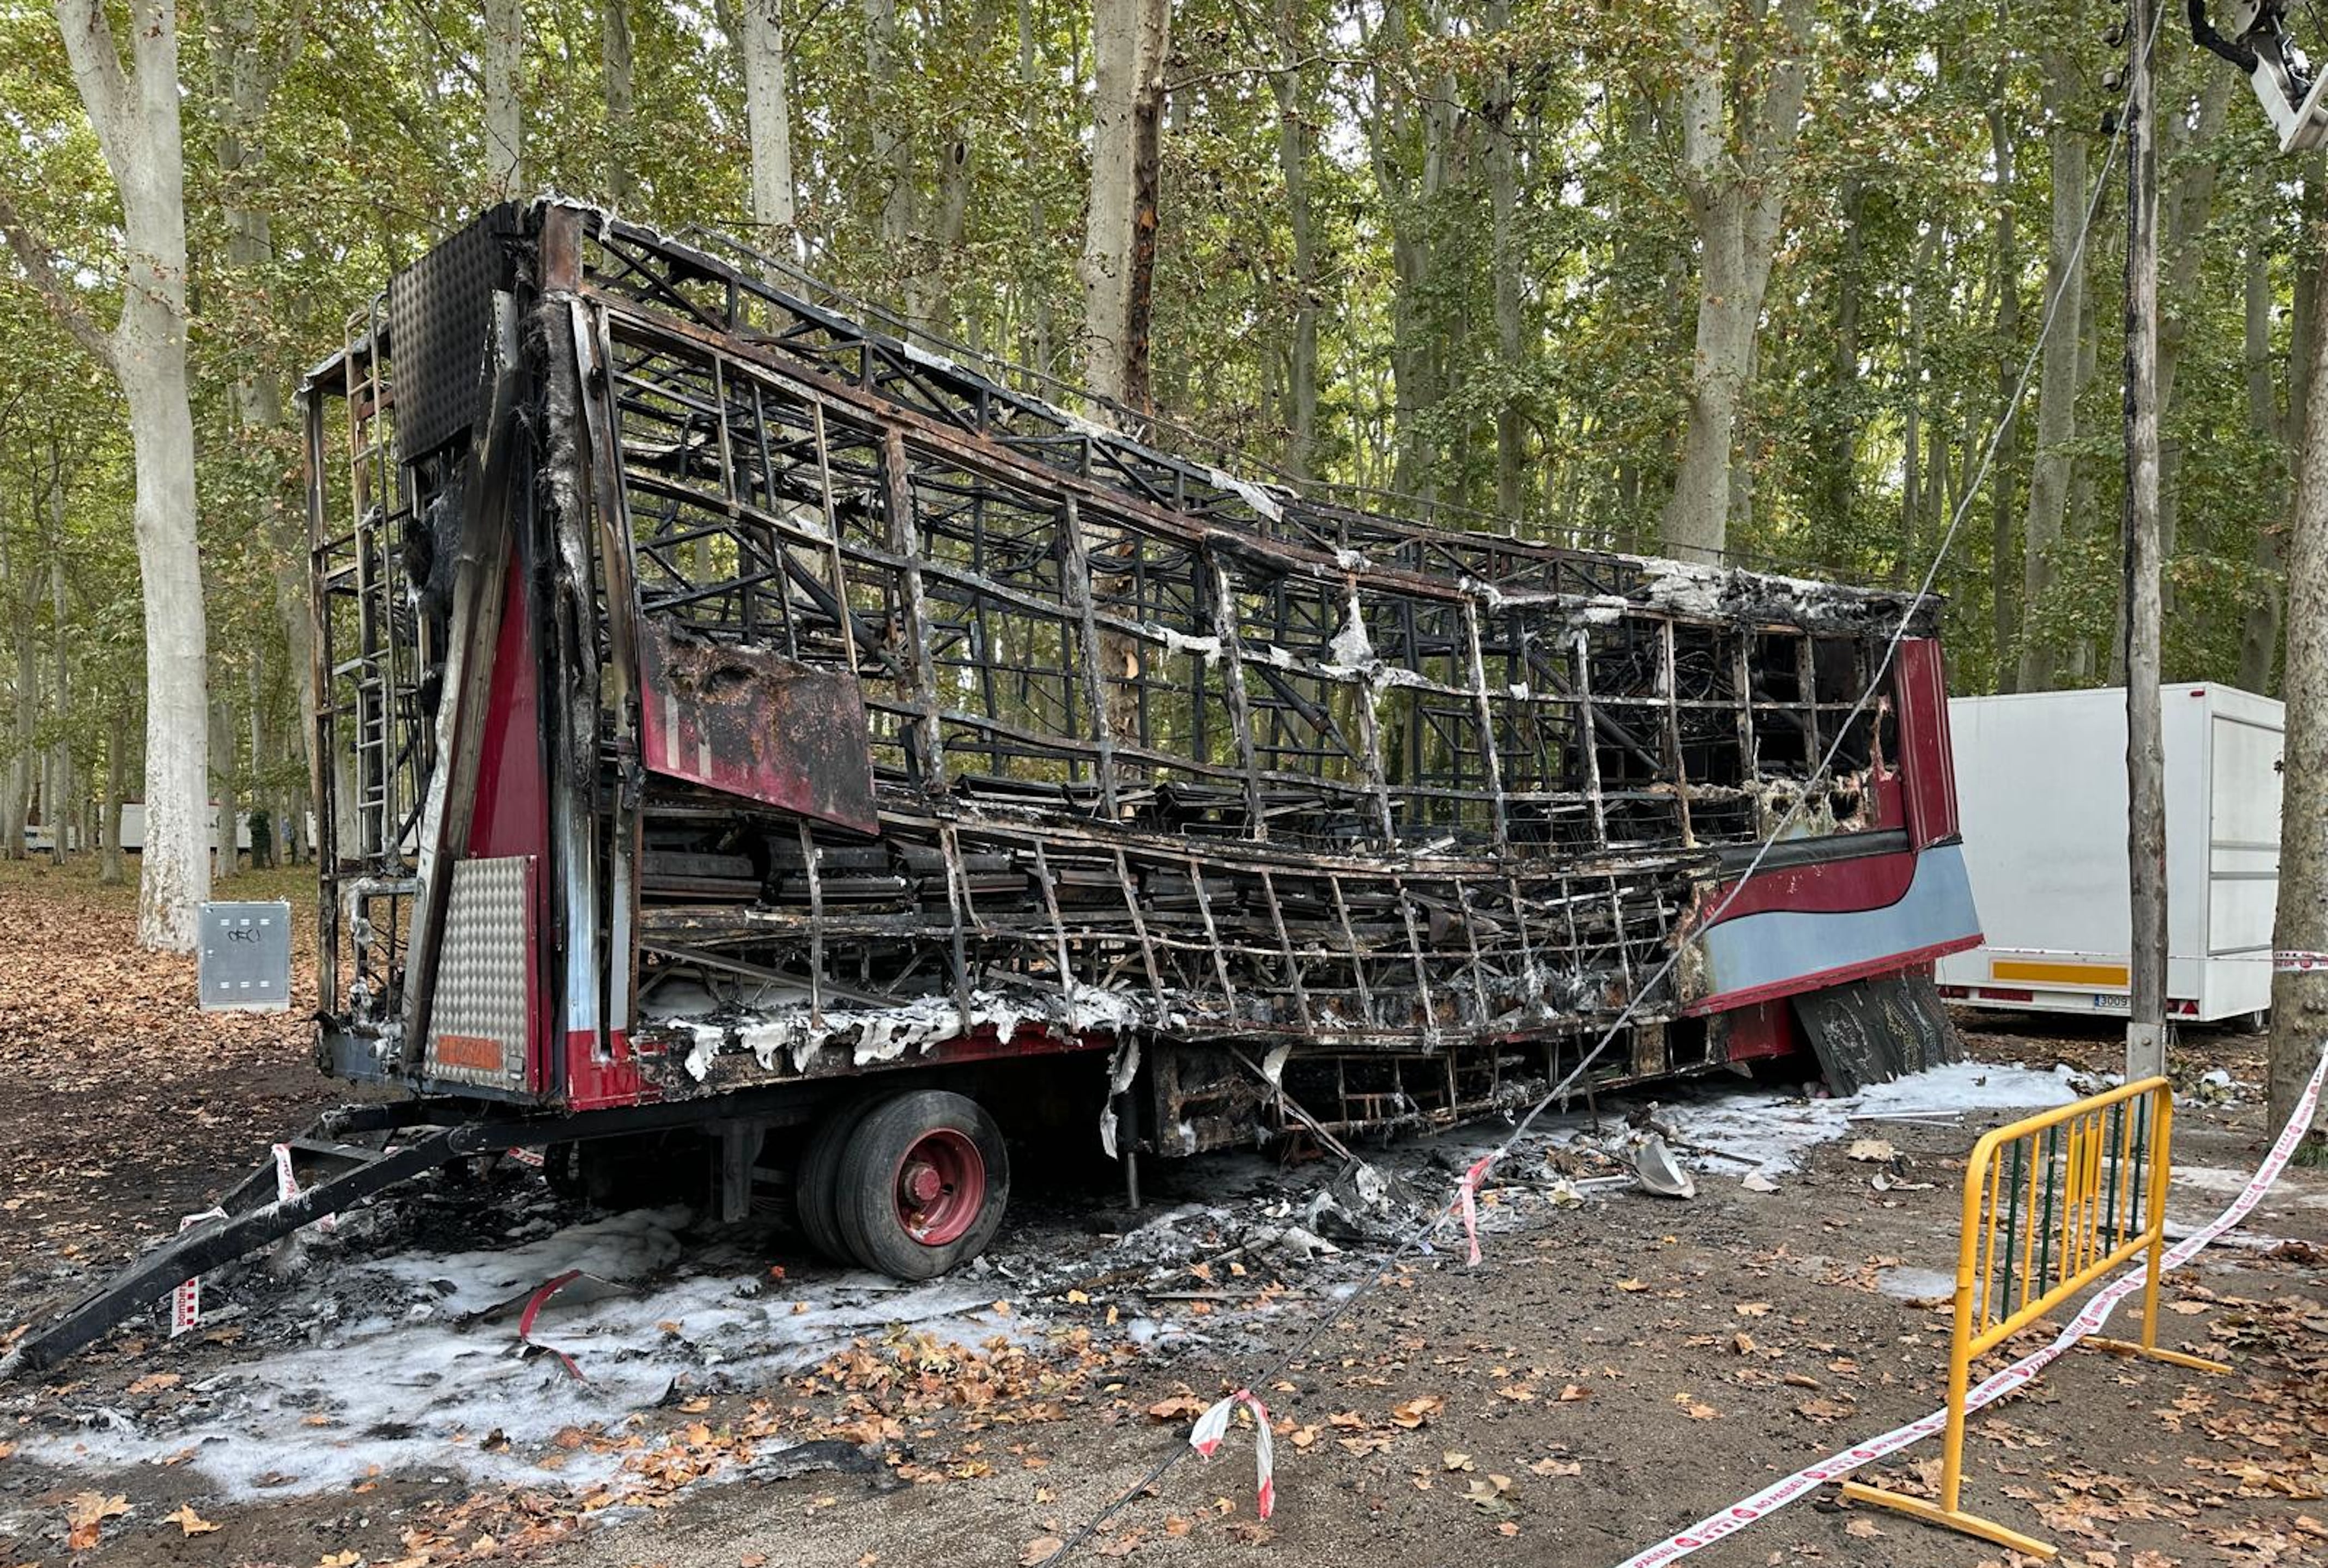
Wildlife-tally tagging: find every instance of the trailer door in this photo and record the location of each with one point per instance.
(2242, 862)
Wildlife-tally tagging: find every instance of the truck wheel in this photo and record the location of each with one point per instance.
(815, 1184)
(923, 1184)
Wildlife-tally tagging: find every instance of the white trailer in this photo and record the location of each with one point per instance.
(2041, 790)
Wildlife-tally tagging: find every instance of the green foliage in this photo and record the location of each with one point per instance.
(1882, 317)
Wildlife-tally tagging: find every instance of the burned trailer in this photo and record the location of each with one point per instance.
(739, 718)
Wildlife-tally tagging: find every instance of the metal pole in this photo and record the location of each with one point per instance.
(2145, 827)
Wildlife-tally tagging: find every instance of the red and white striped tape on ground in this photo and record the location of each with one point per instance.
(1835, 1467)
(186, 1301)
(1213, 1425)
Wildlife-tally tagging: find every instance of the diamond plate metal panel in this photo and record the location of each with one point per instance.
(440, 317)
(477, 1031)
(246, 957)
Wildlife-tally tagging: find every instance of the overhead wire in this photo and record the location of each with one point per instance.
(1420, 1240)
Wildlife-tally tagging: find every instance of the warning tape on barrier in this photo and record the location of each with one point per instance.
(287, 1186)
(2293, 961)
(1213, 1425)
(1746, 1511)
(186, 1301)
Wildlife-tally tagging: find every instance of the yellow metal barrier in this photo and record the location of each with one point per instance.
(2052, 1203)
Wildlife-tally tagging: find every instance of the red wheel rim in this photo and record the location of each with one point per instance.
(940, 1187)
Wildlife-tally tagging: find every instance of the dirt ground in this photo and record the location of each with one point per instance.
(1612, 1371)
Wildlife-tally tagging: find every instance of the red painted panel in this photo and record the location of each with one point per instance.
(1826, 887)
(1763, 1030)
(755, 724)
(1889, 963)
(1926, 755)
(511, 812)
(592, 1084)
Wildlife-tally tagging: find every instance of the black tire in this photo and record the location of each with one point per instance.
(872, 1212)
(814, 1182)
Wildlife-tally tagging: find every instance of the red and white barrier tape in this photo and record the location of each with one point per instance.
(533, 1305)
(1470, 1197)
(287, 1186)
(2296, 961)
(186, 1301)
(1213, 1425)
(1835, 1467)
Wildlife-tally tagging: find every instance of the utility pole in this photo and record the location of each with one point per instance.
(2145, 764)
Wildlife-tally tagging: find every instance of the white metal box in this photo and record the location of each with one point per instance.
(2040, 786)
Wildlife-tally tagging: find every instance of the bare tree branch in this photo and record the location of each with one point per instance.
(40, 270)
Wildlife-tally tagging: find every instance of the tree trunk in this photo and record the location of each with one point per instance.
(1912, 485)
(2057, 393)
(2004, 615)
(226, 764)
(2260, 630)
(134, 110)
(2085, 513)
(1291, 84)
(17, 808)
(1839, 447)
(504, 64)
(112, 871)
(615, 66)
(1501, 111)
(249, 72)
(61, 776)
(1736, 198)
(893, 147)
(2299, 1000)
(2186, 211)
(1129, 38)
(768, 120)
(1036, 313)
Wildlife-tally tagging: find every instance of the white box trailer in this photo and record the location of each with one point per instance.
(2041, 788)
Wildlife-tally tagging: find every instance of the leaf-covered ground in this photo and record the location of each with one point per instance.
(124, 1104)
(1610, 1373)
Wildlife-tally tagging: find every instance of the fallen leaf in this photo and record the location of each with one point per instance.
(1040, 1548)
(153, 1381)
(189, 1522)
(86, 1514)
(1457, 1461)
(1417, 1410)
(1631, 1285)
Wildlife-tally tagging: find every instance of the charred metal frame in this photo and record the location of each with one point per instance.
(883, 685)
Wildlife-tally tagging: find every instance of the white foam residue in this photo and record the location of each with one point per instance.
(875, 1034)
(410, 1387)
(1770, 1133)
